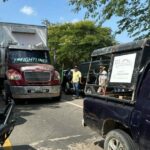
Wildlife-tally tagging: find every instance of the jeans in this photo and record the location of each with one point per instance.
(76, 88)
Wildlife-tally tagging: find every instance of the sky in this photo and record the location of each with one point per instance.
(56, 11)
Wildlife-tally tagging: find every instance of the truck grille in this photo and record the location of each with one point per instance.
(37, 76)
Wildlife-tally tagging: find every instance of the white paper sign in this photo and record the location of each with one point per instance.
(123, 67)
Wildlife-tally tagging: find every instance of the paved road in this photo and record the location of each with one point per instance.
(52, 126)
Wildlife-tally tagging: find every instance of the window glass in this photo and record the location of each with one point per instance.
(27, 56)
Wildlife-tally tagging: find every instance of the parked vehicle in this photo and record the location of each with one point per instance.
(7, 122)
(25, 70)
(67, 86)
(122, 114)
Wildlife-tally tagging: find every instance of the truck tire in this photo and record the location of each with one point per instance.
(57, 98)
(118, 139)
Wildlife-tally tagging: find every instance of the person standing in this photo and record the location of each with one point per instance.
(76, 80)
(102, 80)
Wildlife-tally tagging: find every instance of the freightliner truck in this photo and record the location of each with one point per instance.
(25, 69)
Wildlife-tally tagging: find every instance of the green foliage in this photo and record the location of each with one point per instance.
(74, 42)
(133, 14)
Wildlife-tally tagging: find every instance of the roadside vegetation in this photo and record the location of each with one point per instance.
(133, 15)
(72, 43)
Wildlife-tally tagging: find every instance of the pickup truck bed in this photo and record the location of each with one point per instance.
(102, 114)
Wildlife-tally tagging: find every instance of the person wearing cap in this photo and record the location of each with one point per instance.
(102, 80)
(76, 79)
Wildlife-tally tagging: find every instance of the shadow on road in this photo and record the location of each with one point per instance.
(99, 143)
(66, 97)
(25, 108)
(19, 147)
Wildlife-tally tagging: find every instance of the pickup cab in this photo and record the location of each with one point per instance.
(121, 115)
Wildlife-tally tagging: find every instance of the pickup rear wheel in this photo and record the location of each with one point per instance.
(118, 140)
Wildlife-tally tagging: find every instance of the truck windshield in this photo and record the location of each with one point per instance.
(27, 56)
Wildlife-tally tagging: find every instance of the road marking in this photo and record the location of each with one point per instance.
(53, 140)
(7, 145)
(63, 138)
(75, 104)
(36, 143)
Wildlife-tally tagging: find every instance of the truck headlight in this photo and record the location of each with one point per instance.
(13, 75)
(56, 76)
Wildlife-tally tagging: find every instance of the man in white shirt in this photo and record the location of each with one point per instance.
(102, 80)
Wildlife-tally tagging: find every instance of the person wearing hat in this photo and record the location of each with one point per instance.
(102, 80)
(76, 79)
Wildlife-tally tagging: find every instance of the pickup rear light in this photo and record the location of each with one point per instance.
(13, 75)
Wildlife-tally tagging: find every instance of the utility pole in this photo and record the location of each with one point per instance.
(54, 57)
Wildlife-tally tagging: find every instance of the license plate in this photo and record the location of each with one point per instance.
(39, 90)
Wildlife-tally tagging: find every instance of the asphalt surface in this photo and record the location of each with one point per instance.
(50, 125)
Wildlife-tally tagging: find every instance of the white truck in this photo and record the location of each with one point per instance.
(25, 70)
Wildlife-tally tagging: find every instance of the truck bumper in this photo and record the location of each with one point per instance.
(27, 92)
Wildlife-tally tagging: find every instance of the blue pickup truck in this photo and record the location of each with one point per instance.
(121, 114)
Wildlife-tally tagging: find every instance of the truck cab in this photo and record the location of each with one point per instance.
(122, 113)
(26, 71)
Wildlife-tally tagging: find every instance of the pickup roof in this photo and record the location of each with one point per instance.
(121, 114)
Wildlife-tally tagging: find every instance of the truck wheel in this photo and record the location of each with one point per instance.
(118, 139)
(58, 98)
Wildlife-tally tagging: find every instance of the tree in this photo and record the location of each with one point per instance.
(133, 14)
(74, 42)
(46, 22)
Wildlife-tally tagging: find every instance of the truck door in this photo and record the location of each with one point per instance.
(143, 103)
